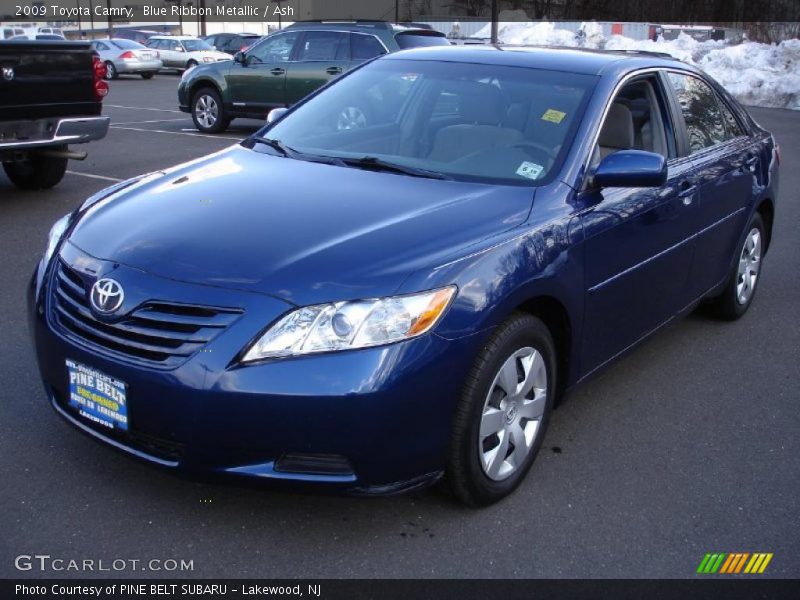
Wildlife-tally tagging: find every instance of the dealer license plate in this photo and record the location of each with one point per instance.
(98, 397)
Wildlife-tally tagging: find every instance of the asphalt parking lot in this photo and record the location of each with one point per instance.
(689, 445)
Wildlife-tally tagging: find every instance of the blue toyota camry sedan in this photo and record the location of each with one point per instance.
(374, 305)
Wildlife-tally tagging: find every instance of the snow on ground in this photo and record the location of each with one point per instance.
(756, 74)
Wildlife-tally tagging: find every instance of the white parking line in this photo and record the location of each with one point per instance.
(155, 121)
(169, 110)
(205, 135)
(92, 176)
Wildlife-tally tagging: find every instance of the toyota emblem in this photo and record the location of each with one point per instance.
(106, 295)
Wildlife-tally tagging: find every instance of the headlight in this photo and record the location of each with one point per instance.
(349, 325)
(54, 237)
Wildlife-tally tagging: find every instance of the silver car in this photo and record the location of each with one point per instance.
(127, 57)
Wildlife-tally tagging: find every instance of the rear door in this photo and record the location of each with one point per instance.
(259, 84)
(727, 163)
(320, 57)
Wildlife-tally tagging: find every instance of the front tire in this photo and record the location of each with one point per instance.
(111, 70)
(37, 172)
(503, 413)
(147, 75)
(740, 289)
(207, 111)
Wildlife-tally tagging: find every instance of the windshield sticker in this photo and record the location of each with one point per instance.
(554, 116)
(530, 170)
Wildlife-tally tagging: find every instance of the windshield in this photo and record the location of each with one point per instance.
(467, 121)
(195, 45)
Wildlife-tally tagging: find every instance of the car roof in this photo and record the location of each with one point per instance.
(572, 60)
(173, 37)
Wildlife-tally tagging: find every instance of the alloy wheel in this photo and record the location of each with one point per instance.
(512, 413)
(749, 266)
(207, 111)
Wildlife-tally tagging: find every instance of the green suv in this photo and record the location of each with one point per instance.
(286, 66)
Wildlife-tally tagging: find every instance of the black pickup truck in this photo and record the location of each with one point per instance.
(51, 96)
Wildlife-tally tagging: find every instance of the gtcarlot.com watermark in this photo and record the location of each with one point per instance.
(45, 563)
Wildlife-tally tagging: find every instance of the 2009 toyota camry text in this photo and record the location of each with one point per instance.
(373, 306)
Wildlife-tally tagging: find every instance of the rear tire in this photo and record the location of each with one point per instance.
(740, 288)
(111, 70)
(497, 434)
(208, 113)
(37, 172)
(147, 75)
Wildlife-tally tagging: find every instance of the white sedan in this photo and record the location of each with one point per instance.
(184, 52)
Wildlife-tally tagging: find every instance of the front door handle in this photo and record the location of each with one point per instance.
(750, 162)
(334, 70)
(686, 190)
(277, 71)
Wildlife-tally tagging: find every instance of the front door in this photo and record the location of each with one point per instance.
(638, 244)
(258, 84)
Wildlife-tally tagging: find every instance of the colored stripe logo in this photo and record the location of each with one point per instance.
(734, 562)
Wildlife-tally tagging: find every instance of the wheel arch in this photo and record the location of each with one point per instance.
(766, 208)
(554, 314)
(196, 86)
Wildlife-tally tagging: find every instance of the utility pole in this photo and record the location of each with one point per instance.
(80, 27)
(110, 24)
(202, 4)
(91, 17)
(495, 16)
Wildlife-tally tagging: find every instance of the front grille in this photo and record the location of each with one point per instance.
(158, 332)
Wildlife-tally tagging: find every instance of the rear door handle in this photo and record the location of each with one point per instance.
(278, 71)
(333, 70)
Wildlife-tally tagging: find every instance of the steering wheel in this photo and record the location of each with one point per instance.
(539, 148)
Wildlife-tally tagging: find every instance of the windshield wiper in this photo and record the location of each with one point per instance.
(288, 152)
(377, 164)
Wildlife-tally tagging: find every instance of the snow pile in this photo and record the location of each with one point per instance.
(756, 74)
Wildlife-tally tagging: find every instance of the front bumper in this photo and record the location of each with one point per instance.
(22, 135)
(386, 410)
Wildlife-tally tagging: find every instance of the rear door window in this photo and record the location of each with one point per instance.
(323, 46)
(417, 40)
(705, 125)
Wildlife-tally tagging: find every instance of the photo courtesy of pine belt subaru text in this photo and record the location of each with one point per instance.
(373, 309)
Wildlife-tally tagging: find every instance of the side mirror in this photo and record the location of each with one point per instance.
(178, 48)
(631, 168)
(239, 57)
(275, 114)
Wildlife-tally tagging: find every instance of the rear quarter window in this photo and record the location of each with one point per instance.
(418, 40)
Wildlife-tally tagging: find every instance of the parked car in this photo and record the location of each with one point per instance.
(184, 52)
(51, 31)
(286, 66)
(231, 43)
(370, 309)
(39, 120)
(137, 35)
(49, 36)
(126, 57)
(12, 32)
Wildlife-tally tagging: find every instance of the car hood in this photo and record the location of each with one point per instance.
(304, 232)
